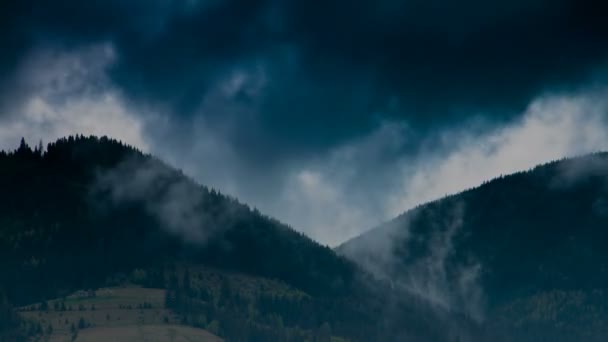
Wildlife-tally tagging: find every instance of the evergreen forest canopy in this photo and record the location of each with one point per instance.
(520, 258)
(525, 253)
(88, 212)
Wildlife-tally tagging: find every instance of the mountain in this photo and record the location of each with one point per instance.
(85, 193)
(524, 255)
(88, 215)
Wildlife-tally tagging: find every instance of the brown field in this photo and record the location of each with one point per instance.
(115, 314)
(151, 333)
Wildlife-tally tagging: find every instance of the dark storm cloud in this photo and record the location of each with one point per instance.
(320, 113)
(334, 69)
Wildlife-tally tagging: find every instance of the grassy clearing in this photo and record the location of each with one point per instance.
(148, 333)
(108, 314)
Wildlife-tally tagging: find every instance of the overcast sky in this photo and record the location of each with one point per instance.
(332, 116)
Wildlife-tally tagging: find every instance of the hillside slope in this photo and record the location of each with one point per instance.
(90, 212)
(116, 208)
(525, 254)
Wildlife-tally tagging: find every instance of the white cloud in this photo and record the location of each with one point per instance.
(318, 207)
(552, 127)
(365, 182)
(339, 194)
(67, 93)
(333, 196)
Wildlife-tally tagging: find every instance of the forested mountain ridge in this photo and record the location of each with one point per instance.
(62, 200)
(87, 212)
(519, 258)
(525, 254)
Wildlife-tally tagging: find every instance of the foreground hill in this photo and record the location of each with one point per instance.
(116, 208)
(87, 213)
(523, 254)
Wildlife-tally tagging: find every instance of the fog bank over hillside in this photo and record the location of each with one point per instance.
(332, 194)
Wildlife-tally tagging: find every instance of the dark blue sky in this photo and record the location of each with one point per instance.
(316, 112)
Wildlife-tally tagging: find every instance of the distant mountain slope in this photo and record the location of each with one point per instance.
(491, 251)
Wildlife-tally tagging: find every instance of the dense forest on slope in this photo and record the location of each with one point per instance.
(54, 209)
(521, 257)
(88, 212)
(525, 254)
